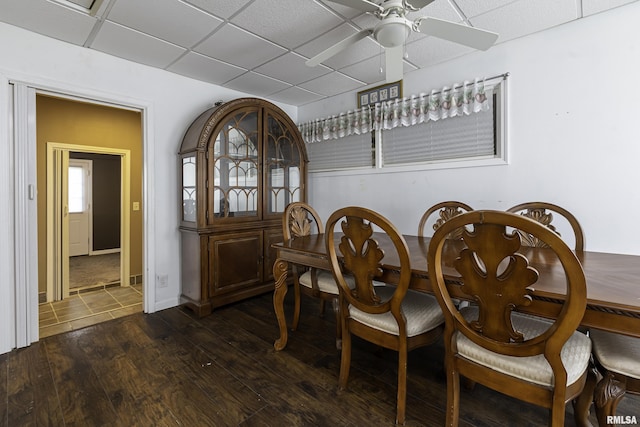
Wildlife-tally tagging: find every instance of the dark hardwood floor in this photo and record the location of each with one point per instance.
(169, 369)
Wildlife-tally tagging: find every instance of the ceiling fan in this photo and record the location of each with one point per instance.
(394, 28)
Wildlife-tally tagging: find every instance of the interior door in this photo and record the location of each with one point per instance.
(79, 198)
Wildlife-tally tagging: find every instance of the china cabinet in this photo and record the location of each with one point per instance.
(241, 163)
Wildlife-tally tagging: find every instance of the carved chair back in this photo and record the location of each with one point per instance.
(445, 211)
(300, 219)
(542, 212)
(361, 258)
(496, 270)
(495, 273)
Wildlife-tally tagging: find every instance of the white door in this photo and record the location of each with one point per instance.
(79, 206)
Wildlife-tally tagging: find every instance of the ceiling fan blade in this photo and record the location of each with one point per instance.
(418, 4)
(338, 47)
(394, 63)
(458, 33)
(363, 5)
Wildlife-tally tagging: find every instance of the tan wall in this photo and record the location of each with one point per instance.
(69, 122)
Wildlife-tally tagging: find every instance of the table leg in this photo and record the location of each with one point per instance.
(609, 391)
(280, 268)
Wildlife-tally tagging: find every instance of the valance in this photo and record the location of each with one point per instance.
(451, 101)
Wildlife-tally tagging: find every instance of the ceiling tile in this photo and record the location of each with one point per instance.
(48, 18)
(285, 22)
(292, 68)
(441, 9)
(206, 69)
(524, 17)
(590, 7)
(239, 47)
(472, 8)
(168, 20)
(332, 84)
(220, 8)
(128, 44)
(295, 96)
(347, 12)
(257, 84)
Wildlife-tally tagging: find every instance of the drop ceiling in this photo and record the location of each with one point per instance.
(260, 46)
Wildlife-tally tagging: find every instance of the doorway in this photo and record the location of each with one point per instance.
(28, 223)
(69, 209)
(92, 185)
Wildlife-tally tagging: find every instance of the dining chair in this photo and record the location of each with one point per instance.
(543, 213)
(300, 220)
(617, 360)
(445, 211)
(540, 361)
(392, 317)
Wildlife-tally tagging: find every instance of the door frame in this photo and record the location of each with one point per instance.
(21, 90)
(57, 215)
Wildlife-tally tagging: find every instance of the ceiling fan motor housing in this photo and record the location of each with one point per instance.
(392, 31)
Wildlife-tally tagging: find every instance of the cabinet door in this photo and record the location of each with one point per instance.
(235, 261)
(234, 165)
(283, 169)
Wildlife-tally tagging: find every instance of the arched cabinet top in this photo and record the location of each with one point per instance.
(201, 130)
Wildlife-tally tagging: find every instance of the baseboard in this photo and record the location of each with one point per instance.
(105, 252)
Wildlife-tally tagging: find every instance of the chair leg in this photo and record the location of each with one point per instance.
(582, 404)
(345, 359)
(453, 396)
(557, 411)
(336, 308)
(402, 386)
(296, 305)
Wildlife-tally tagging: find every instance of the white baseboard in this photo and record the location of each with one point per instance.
(105, 251)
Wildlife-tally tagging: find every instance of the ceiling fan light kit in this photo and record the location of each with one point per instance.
(392, 32)
(394, 28)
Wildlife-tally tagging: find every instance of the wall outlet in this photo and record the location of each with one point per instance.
(162, 280)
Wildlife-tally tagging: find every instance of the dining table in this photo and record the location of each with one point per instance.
(612, 280)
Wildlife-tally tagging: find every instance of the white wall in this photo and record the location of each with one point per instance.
(574, 137)
(173, 102)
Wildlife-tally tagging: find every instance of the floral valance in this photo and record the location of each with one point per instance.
(457, 100)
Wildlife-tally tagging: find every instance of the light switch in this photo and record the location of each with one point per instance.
(136, 206)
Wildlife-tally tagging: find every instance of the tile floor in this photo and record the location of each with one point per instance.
(88, 308)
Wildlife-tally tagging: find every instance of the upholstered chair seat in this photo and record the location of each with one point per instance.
(575, 352)
(422, 311)
(326, 282)
(617, 353)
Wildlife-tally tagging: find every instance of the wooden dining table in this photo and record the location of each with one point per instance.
(613, 281)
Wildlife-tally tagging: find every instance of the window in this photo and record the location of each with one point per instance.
(477, 138)
(350, 152)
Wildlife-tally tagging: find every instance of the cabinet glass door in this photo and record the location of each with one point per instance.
(189, 188)
(282, 165)
(236, 166)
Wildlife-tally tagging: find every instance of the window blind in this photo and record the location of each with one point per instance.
(354, 151)
(453, 138)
